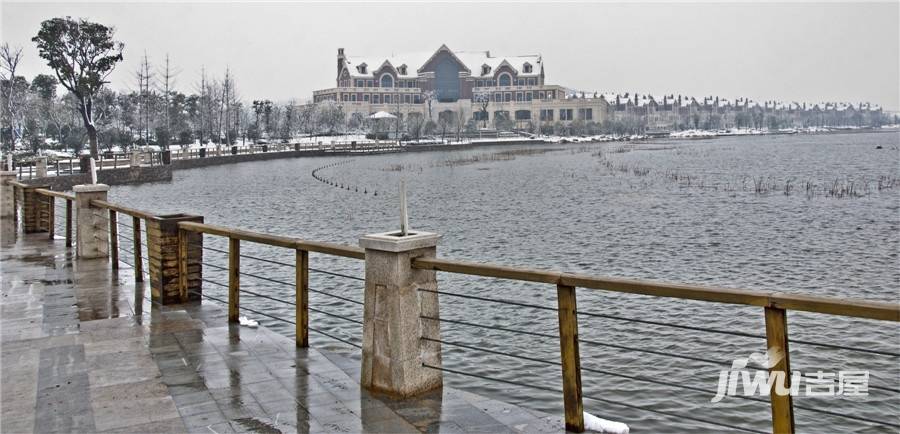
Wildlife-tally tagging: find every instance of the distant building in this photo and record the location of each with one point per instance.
(511, 92)
(489, 89)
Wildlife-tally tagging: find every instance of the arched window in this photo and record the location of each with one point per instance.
(504, 80)
(387, 80)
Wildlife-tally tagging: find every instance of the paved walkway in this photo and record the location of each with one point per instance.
(82, 350)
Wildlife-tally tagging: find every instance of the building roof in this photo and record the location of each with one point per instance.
(473, 60)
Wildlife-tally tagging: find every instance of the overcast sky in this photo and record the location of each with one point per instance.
(788, 51)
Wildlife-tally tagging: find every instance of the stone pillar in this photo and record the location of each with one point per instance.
(7, 195)
(91, 224)
(41, 167)
(393, 353)
(135, 159)
(164, 259)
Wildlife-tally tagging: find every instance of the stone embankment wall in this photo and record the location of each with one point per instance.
(122, 176)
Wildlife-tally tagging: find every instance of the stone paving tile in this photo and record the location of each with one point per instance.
(84, 351)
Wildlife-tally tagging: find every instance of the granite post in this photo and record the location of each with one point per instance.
(91, 223)
(393, 351)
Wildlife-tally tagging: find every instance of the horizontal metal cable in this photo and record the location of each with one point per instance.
(315, 270)
(269, 279)
(267, 297)
(650, 380)
(279, 319)
(843, 347)
(548, 362)
(678, 326)
(282, 282)
(214, 282)
(334, 337)
(549, 389)
(513, 303)
(475, 297)
(335, 315)
(214, 266)
(349, 300)
(581, 340)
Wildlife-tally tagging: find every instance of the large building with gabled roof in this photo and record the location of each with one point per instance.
(488, 88)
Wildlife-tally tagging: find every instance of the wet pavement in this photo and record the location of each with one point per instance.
(83, 350)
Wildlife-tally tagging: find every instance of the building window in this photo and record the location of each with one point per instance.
(479, 83)
(407, 99)
(497, 97)
(586, 114)
(565, 115)
(361, 68)
(345, 97)
(376, 98)
(521, 82)
(386, 80)
(353, 97)
(401, 83)
(526, 68)
(520, 97)
(387, 98)
(370, 83)
(359, 83)
(366, 97)
(541, 95)
(485, 70)
(418, 99)
(546, 114)
(402, 69)
(523, 115)
(527, 96)
(504, 79)
(531, 82)
(507, 97)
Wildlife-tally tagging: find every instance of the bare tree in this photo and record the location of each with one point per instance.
(167, 84)
(483, 99)
(13, 94)
(429, 96)
(460, 121)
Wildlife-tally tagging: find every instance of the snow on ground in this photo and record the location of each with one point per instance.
(596, 424)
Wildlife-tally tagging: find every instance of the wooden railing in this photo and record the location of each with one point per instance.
(301, 248)
(775, 305)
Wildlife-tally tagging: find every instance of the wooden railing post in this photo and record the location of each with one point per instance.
(302, 320)
(234, 279)
(138, 256)
(571, 359)
(777, 340)
(114, 239)
(68, 222)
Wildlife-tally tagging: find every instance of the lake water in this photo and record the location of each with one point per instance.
(800, 214)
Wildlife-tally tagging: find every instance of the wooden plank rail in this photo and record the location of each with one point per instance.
(52, 193)
(826, 305)
(234, 279)
(276, 240)
(136, 213)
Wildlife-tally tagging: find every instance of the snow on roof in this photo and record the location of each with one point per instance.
(473, 60)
